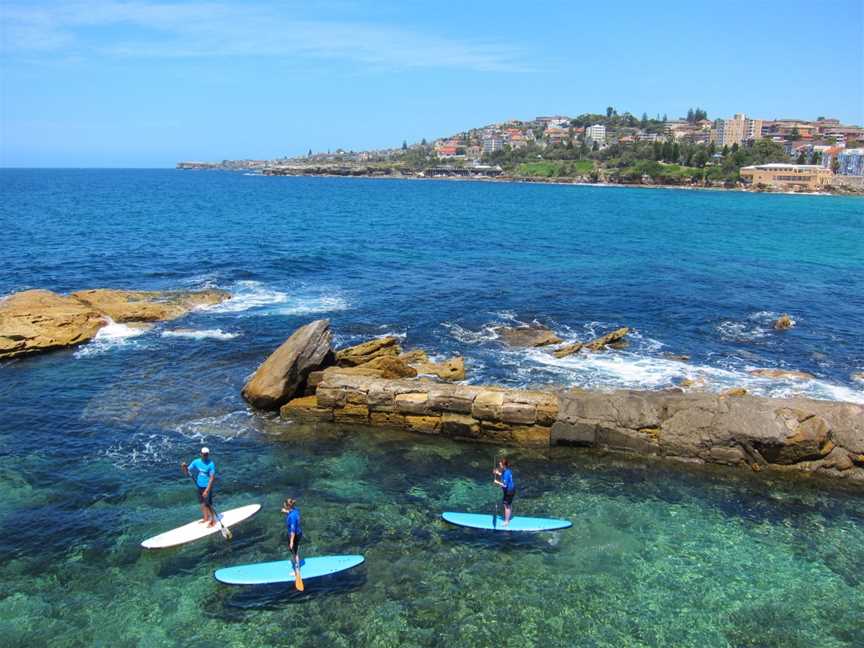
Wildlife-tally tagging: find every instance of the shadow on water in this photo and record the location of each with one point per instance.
(233, 603)
(503, 541)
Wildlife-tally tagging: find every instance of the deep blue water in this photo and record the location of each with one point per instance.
(90, 438)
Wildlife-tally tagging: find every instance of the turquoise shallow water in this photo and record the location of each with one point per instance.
(91, 438)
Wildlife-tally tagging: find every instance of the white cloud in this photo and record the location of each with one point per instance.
(214, 29)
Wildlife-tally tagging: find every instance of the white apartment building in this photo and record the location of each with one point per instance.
(596, 133)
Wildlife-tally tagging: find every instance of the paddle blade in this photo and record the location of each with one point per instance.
(298, 581)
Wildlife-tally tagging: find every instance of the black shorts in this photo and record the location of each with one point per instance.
(205, 500)
(508, 496)
(297, 540)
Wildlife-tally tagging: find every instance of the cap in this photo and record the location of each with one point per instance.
(205, 450)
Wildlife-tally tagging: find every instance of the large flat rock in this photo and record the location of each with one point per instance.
(148, 306)
(40, 320)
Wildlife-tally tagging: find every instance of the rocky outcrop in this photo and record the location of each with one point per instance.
(782, 374)
(148, 306)
(784, 322)
(282, 376)
(734, 428)
(452, 370)
(761, 433)
(527, 336)
(463, 411)
(360, 354)
(614, 339)
(386, 366)
(40, 320)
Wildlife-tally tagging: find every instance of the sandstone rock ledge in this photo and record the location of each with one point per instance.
(799, 435)
(33, 321)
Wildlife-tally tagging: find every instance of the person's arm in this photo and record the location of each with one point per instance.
(499, 482)
(210, 483)
(291, 539)
(184, 467)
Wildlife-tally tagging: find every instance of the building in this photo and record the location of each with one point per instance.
(492, 143)
(737, 130)
(791, 177)
(596, 133)
(851, 162)
(555, 135)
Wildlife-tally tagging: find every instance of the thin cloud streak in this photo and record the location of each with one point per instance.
(209, 30)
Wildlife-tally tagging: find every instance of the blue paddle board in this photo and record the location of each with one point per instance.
(517, 523)
(282, 571)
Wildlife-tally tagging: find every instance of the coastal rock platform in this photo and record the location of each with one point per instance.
(33, 321)
(800, 435)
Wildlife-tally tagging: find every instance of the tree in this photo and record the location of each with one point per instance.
(817, 157)
(404, 145)
(610, 111)
(835, 165)
(690, 117)
(794, 134)
(676, 152)
(734, 148)
(725, 150)
(309, 154)
(423, 142)
(665, 118)
(802, 157)
(699, 158)
(712, 149)
(644, 121)
(595, 146)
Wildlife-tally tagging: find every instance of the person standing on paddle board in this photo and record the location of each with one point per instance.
(205, 477)
(295, 532)
(505, 474)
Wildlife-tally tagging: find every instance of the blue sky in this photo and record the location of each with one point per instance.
(139, 84)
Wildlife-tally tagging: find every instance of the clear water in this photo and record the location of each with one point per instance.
(91, 439)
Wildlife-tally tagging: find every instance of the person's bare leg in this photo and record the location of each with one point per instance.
(508, 510)
(205, 513)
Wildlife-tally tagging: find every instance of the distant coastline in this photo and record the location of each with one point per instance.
(508, 179)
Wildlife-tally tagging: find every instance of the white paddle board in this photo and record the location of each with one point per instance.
(197, 530)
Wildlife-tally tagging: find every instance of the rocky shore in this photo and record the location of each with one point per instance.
(378, 384)
(34, 321)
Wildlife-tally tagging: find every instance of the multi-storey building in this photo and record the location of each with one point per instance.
(492, 143)
(596, 133)
(851, 162)
(737, 130)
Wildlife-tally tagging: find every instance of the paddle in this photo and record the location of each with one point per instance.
(495, 513)
(298, 580)
(225, 531)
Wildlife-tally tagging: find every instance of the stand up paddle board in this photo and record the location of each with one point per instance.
(488, 522)
(282, 571)
(197, 530)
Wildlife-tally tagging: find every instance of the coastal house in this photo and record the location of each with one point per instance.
(596, 133)
(788, 177)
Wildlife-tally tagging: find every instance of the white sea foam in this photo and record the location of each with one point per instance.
(303, 305)
(141, 449)
(486, 334)
(112, 336)
(203, 334)
(226, 426)
(627, 370)
(248, 295)
(255, 296)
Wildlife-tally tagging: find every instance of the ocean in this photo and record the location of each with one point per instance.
(91, 438)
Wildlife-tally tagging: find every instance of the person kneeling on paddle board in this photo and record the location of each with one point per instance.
(295, 535)
(204, 476)
(508, 486)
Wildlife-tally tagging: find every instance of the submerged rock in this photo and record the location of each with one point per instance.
(148, 306)
(615, 340)
(608, 339)
(283, 375)
(527, 336)
(362, 353)
(452, 369)
(40, 320)
(784, 322)
(782, 374)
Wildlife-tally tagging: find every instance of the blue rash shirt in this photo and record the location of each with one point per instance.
(292, 522)
(507, 480)
(202, 479)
